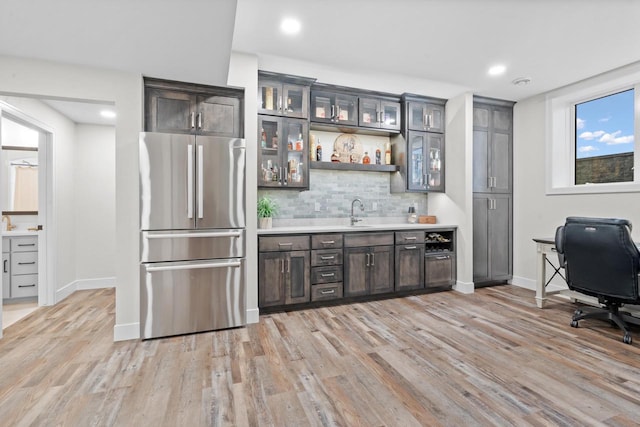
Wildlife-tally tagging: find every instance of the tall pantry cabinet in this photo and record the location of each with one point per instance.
(492, 191)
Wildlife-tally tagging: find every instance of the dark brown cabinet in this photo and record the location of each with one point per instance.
(368, 264)
(173, 107)
(440, 260)
(425, 164)
(334, 108)
(283, 153)
(326, 267)
(409, 260)
(425, 114)
(378, 113)
(283, 95)
(284, 274)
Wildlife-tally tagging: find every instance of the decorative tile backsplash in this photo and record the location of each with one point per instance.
(331, 193)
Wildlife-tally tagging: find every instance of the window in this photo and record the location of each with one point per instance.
(604, 139)
(591, 135)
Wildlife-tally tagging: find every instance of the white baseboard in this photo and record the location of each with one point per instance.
(253, 315)
(126, 331)
(84, 284)
(523, 282)
(464, 287)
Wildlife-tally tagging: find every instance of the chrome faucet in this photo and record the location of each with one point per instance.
(10, 226)
(353, 216)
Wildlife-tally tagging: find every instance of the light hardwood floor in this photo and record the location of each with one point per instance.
(490, 358)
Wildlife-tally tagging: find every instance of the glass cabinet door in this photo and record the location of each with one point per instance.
(269, 164)
(416, 116)
(295, 101)
(426, 117)
(416, 175)
(435, 165)
(269, 97)
(345, 111)
(322, 107)
(369, 113)
(390, 112)
(296, 153)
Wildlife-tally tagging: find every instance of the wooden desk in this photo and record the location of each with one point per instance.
(546, 248)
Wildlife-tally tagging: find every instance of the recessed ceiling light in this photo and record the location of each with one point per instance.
(497, 70)
(521, 81)
(108, 114)
(290, 26)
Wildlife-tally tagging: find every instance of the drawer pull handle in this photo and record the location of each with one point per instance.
(410, 238)
(328, 242)
(411, 247)
(26, 244)
(328, 274)
(285, 244)
(27, 286)
(328, 292)
(442, 257)
(328, 257)
(26, 263)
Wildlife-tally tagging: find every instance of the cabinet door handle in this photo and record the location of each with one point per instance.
(373, 260)
(288, 266)
(282, 266)
(192, 119)
(410, 238)
(27, 286)
(328, 257)
(285, 244)
(4, 267)
(368, 259)
(443, 257)
(328, 274)
(26, 244)
(424, 179)
(411, 247)
(199, 120)
(26, 263)
(333, 109)
(328, 242)
(328, 292)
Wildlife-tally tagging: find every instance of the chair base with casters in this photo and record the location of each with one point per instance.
(612, 313)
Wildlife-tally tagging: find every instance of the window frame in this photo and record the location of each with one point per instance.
(561, 132)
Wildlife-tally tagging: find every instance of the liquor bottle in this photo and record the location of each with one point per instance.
(289, 145)
(274, 141)
(319, 151)
(387, 153)
(366, 160)
(299, 143)
(263, 138)
(312, 153)
(378, 156)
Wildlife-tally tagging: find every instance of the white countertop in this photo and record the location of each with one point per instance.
(339, 228)
(16, 233)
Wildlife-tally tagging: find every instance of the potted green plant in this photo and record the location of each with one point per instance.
(266, 209)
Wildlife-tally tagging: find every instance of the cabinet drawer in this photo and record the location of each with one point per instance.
(326, 257)
(326, 274)
(24, 263)
(368, 239)
(326, 241)
(5, 244)
(409, 237)
(283, 243)
(24, 286)
(440, 270)
(24, 244)
(326, 292)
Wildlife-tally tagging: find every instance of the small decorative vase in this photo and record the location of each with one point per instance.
(265, 222)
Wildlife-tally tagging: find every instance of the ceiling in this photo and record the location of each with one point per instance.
(449, 43)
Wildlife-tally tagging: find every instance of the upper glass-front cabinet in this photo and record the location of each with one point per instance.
(283, 95)
(425, 116)
(334, 108)
(379, 114)
(283, 153)
(425, 169)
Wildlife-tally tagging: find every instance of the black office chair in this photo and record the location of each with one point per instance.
(601, 260)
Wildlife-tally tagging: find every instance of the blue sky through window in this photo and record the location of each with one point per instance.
(605, 126)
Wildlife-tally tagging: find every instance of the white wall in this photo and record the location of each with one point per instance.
(455, 206)
(536, 214)
(95, 207)
(55, 80)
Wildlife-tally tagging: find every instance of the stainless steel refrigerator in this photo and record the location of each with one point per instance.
(192, 239)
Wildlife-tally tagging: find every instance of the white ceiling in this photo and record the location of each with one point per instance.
(451, 42)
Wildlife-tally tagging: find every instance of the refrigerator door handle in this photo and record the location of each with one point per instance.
(190, 181)
(224, 264)
(234, 233)
(200, 181)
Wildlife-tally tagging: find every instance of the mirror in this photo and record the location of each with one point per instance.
(19, 170)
